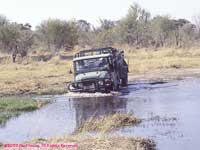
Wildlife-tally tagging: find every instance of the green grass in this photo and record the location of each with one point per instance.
(11, 107)
(17, 104)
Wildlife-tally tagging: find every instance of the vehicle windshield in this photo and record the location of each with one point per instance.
(91, 64)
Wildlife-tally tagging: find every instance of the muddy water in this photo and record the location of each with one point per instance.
(170, 113)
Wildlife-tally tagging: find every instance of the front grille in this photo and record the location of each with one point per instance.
(88, 83)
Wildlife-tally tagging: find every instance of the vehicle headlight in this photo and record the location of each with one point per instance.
(107, 81)
(74, 84)
(80, 85)
(101, 83)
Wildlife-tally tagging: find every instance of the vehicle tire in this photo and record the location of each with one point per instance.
(70, 87)
(124, 82)
(116, 87)
(107, 90)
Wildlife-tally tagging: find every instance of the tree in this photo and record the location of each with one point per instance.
(106, 24)
(106, 33)
(58, 34)
(161, 27)
(3, 20)
(26, 39)
(9, 34)
(197, 24)
(134, 27)
(187, 35)
(16, 38)
(86, 33)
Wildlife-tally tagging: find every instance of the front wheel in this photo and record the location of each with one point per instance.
(116, 87)
(125, 82)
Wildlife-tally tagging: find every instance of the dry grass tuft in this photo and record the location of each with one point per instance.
(108, 123)
(102, 142)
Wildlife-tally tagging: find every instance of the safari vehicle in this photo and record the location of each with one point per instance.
(99, 70)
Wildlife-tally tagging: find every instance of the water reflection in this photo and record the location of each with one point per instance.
(93, 107)
(59, 118)
(6, 116)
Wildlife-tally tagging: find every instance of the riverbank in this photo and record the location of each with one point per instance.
(51, 77)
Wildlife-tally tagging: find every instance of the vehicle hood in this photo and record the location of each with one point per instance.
(91, 75)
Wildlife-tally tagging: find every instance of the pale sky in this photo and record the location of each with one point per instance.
(33, 11)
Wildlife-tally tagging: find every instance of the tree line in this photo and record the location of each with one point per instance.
(138, 28)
